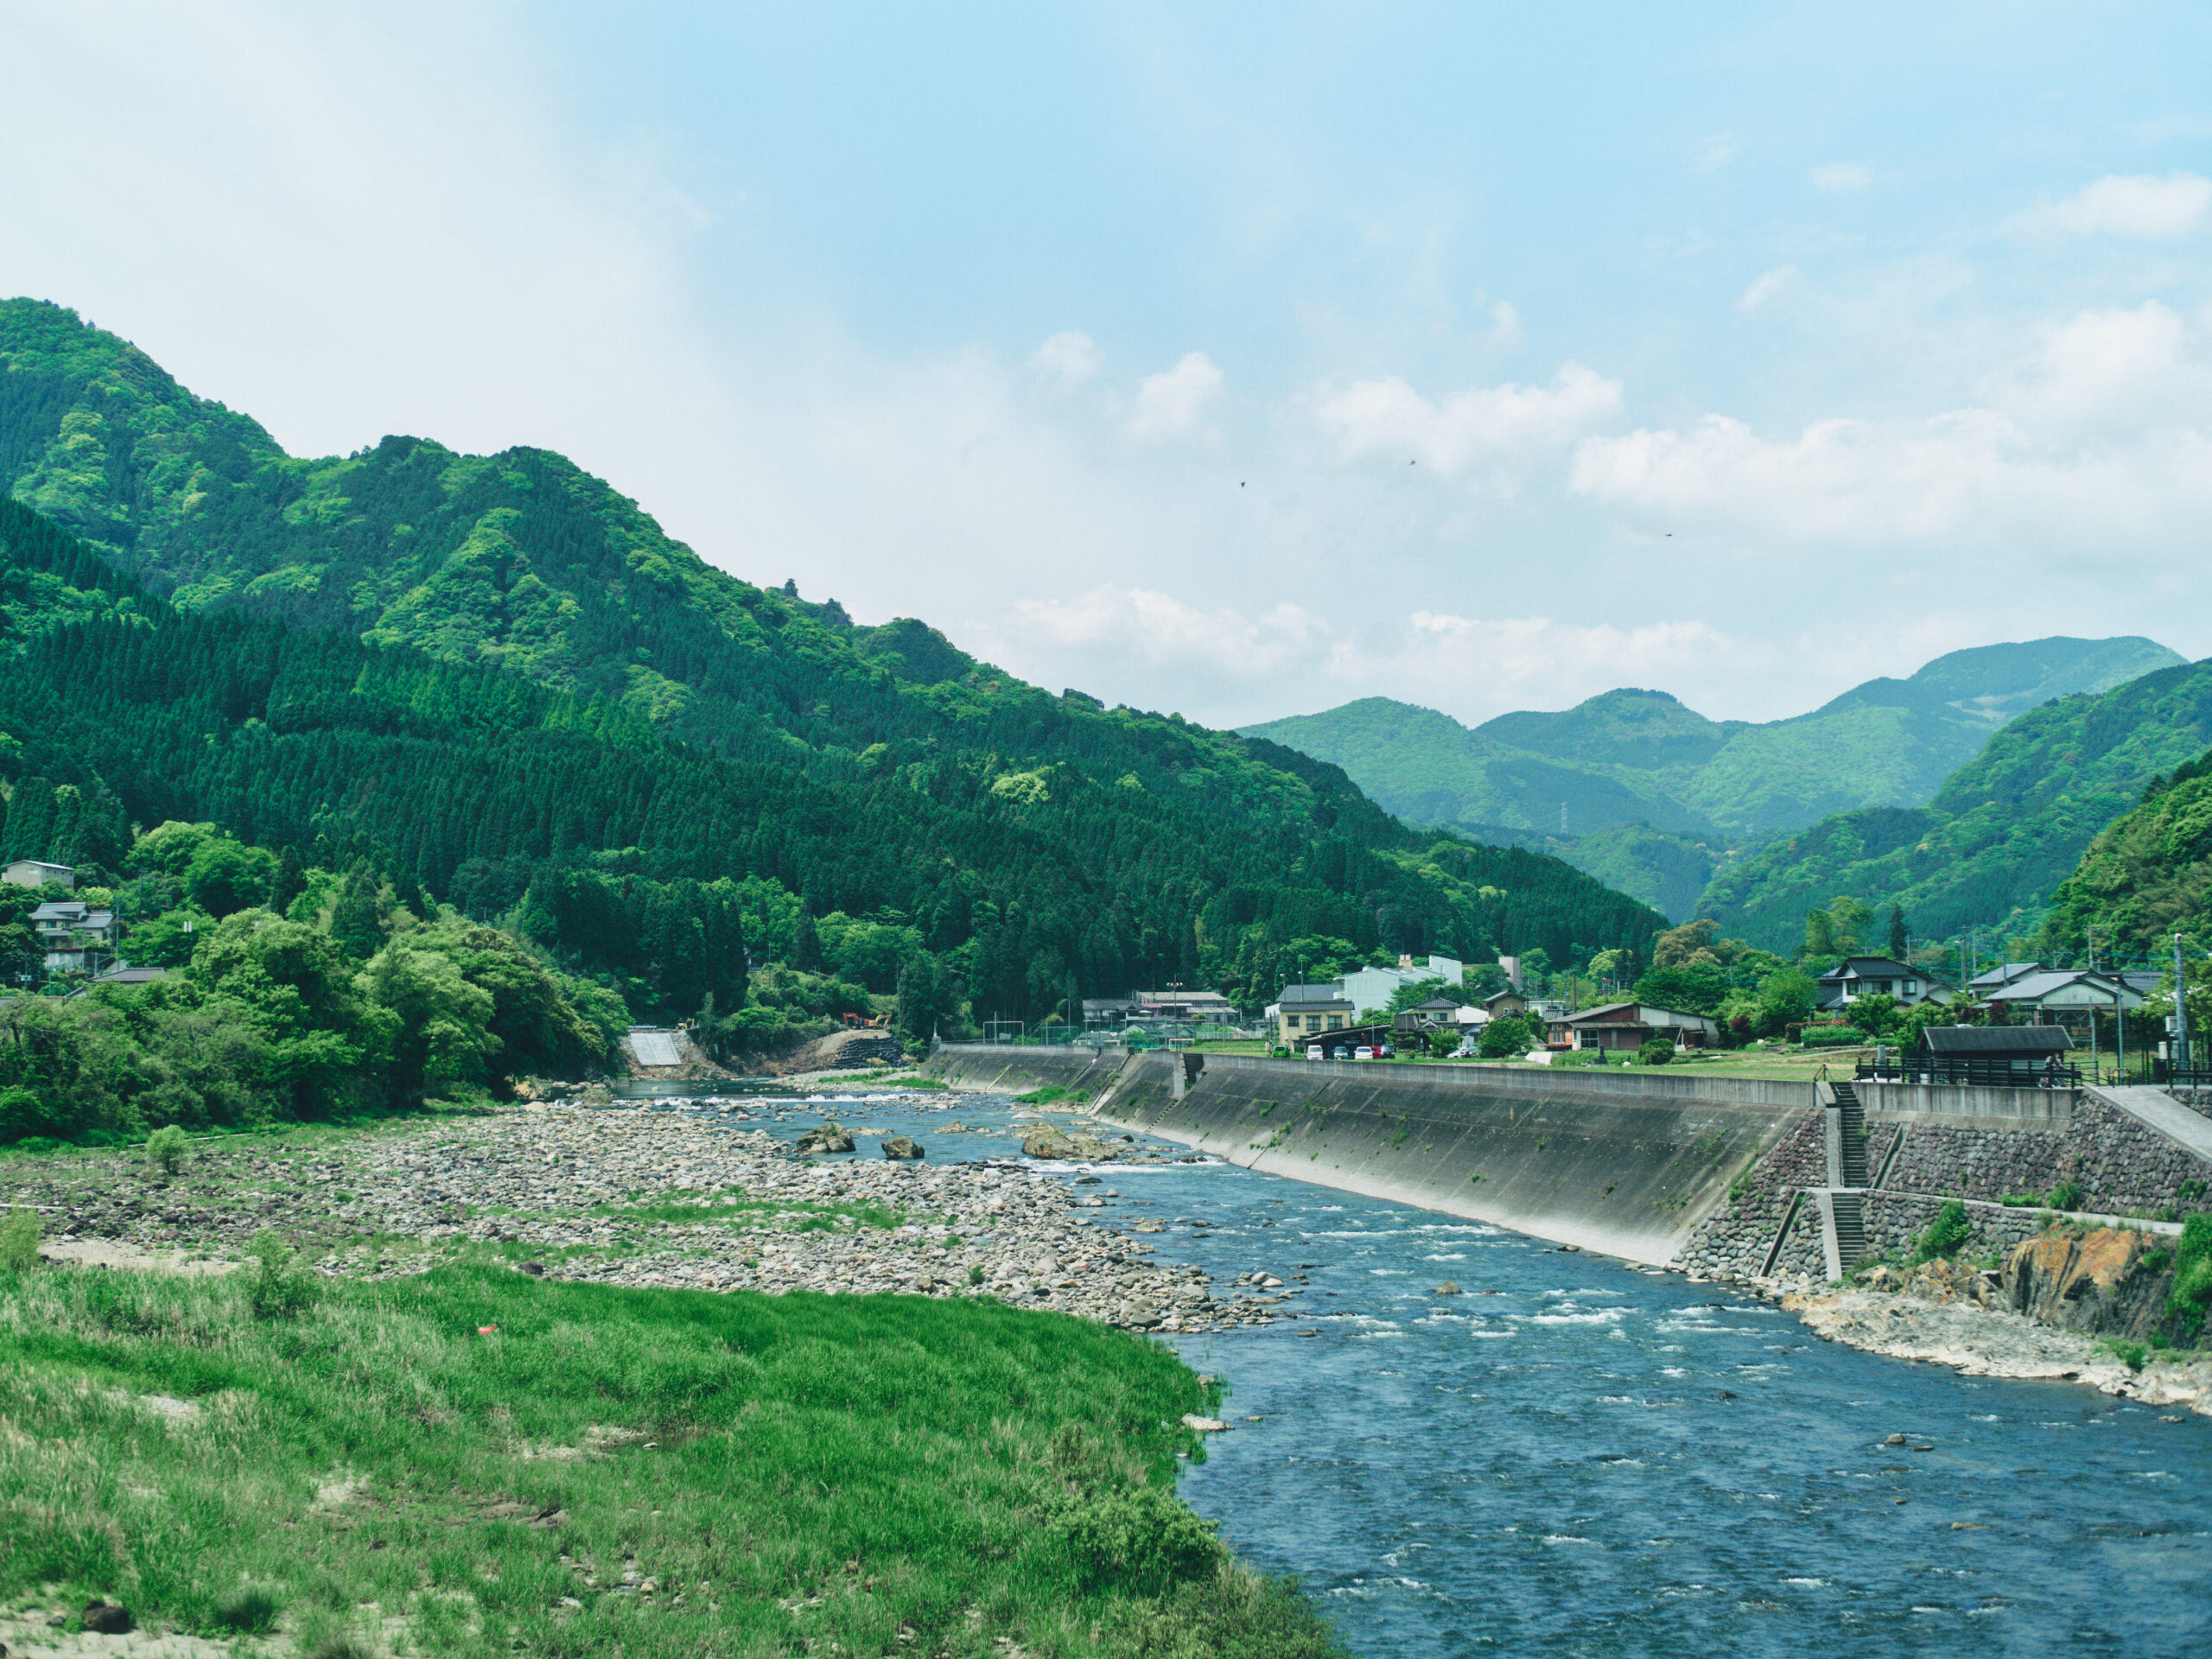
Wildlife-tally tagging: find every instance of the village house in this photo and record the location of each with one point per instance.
(1304, 1010)
(1437, 1014)
(1209, 1006)
(1857, 976)
(2071, 996)
(1630, 1026)
(75, 938)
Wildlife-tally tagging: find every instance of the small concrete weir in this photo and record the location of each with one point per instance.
(1722, 1175)
(1623, 1163)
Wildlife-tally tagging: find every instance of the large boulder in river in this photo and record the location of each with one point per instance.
(830, 1137)
(899, 1146)
(1050, 1144)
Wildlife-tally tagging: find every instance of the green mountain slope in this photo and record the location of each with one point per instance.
(714, 729)
(2002, 832)
(2147, 874)
(1696, 787)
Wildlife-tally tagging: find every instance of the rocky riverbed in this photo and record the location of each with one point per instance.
(1960, 1316)
(629, 1196)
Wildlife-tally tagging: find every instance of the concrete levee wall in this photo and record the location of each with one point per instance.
(1624, 1165)
(1017, 1069)
(1702, 1172)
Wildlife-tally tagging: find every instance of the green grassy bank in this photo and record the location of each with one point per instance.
(608, 1471)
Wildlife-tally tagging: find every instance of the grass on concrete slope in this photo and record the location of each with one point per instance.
(633, 1472)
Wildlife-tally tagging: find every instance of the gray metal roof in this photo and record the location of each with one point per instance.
(1995, 1042)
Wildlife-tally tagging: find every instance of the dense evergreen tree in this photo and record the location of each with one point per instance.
(1152, 851)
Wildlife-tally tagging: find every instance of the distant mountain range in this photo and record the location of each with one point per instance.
(2005, 830)
(1652, 797)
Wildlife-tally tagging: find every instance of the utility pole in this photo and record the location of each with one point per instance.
(2181, 1009)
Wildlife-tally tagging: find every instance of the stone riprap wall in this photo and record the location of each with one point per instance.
(1894, 1222)
(2123, 1164)
(1629, 1164)
(1736, 1236)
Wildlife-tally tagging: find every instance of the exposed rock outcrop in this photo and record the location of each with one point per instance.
(2106, 1281)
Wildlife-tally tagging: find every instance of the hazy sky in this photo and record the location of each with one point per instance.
(1234, 359)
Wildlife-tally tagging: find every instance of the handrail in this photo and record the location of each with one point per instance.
(1971, 1071)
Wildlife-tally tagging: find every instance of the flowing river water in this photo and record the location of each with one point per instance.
(1576, 1456)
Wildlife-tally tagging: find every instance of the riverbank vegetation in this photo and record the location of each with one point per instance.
(488, 1464)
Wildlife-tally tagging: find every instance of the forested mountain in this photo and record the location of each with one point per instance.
(2000, 835)
(1694, 788)
(549, 710)
(2146, 876)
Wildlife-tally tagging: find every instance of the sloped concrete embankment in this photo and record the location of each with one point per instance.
(1626, 1165)
(1017, 1070)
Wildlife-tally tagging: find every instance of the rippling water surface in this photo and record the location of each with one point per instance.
(1576, 1458)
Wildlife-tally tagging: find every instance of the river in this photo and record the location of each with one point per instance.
(1576, 1456)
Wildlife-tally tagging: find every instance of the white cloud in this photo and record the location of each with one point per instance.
(1170, 404)
(1505, 327)
(2114, 370)
(1067, 359)
(1765, 286)
(1159, 630)
(1969, 479)
(1841, 178)
(2132, 205)
(1484, 427)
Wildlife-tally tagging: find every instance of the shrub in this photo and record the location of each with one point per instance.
(1946, 1233)
(2192, 1288)
(249, 1610)
(19, 1241)
(1832, 1036)
(2067, 1195)
(1141, 1538)
(279, 1285)
(165, 1149)
(2130, 1354)
(1656, 1051)
(975, 1275)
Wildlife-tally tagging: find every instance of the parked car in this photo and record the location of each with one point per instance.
(1386, 1052)
(1313, 1051)
(1340, 1052)
(1362, 1052)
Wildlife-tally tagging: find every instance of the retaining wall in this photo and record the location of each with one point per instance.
(1626, 1165)
(1015, 1069)
(1699, 1173)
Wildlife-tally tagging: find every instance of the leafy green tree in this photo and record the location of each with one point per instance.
(1900, 941)
(1876, 1014)
(1785, 996)
(226, 875)
(1689, 987)
(1508, 1039)
(292, 986)
(439, 1037)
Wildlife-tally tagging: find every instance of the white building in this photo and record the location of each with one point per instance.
(35, 872)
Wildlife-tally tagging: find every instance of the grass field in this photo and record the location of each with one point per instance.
(367, 1468)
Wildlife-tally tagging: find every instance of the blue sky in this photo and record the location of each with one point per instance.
(1237, 360)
